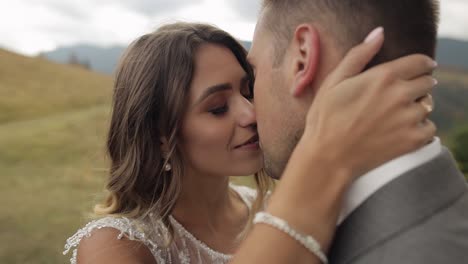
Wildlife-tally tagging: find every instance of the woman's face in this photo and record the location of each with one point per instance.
(219, 133)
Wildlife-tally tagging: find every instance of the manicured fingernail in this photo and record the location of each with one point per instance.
(434, 64)
(429, 108)
(374, 34)
(435, 81)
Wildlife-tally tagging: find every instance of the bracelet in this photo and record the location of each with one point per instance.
(308, 242)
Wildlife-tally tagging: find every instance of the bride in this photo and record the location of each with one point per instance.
(183, 121)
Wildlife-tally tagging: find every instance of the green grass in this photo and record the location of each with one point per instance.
(53, 120)
(52, 169)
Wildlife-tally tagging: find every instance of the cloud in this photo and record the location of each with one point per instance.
(74, 9)
(71, 10)
(81, 8)
(30, 26)
(247, 9)
(454, 21)
(155, 7)
(51, 24)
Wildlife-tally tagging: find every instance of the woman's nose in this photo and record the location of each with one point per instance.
(246, 113)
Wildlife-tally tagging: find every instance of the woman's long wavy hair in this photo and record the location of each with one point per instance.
(150, 97)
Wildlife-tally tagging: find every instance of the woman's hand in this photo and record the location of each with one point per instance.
(357, 122)
(371, 118)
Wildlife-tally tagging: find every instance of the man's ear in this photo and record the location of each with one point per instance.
(305, 57)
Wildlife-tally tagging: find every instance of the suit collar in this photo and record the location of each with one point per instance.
(397, 206)
(372, 181)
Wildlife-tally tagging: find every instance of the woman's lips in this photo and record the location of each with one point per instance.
(252, 143)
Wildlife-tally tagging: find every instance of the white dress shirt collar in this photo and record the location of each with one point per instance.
(371, 182)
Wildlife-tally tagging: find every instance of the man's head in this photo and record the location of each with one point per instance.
(297, 43)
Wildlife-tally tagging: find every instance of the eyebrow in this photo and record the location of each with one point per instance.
(213, 89)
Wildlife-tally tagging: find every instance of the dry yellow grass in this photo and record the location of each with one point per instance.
(34, 87)
(447, 76)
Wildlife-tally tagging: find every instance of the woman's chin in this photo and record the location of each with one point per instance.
(247, 171)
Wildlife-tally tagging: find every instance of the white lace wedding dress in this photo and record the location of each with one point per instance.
(184, 249)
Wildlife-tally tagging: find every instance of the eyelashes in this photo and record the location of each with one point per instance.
(247, 92)
(219, 111)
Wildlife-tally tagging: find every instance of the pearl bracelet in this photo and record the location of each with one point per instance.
(307, 241)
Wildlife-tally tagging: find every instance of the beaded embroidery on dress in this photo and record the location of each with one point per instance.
(184, 249)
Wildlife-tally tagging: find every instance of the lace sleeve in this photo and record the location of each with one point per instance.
(127, 228)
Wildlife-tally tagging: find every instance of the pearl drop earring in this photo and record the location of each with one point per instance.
(168, 167)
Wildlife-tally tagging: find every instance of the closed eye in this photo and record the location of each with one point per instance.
(219, 111)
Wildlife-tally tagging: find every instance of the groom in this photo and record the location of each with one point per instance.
(413, 209)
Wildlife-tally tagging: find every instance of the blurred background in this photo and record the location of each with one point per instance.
(56, 64)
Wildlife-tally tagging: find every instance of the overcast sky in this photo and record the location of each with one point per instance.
(32, 26)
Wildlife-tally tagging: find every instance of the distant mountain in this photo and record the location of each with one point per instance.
(100, 59)
(453, 54)
(246, 44)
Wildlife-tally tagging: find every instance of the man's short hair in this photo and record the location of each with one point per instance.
(410, 25)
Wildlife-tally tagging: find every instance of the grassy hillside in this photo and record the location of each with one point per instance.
(51, 169)
(34, 87)
(52, 125)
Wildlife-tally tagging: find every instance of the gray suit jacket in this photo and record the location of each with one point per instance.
(419, 218)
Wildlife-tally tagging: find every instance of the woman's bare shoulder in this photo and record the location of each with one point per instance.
(109, 239)
(103, 246)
